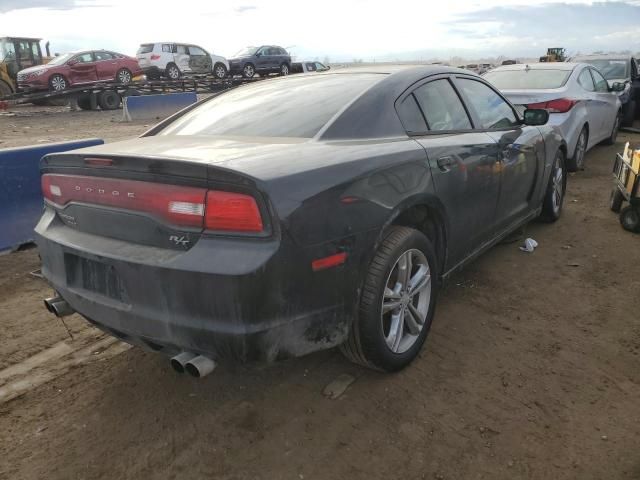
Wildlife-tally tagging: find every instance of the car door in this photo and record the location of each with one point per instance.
(82, 69)
(199, 60)
(263, 59)
(521, 154)
(462, 161)
(106, 65)
(181, 58)
(605, 103)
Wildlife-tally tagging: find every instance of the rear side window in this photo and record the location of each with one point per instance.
(292, 107)
(103, 56)
(145, 48)
(585, 80)
(167, 48)
(490, 107)
(410, 115)
(527, 79)
(442, 107)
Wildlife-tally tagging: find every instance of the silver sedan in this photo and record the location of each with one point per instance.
(581, 103)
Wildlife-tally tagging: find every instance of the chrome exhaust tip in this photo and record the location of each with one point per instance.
(58, 306)
(179, 362)
(200, 366)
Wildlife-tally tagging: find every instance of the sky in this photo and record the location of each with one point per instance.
(340, 30)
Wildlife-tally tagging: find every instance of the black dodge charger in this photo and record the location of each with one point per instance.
(295, 214)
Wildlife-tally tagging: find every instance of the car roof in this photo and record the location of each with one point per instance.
(538, 66)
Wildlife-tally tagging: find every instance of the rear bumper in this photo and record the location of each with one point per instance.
(253, 300)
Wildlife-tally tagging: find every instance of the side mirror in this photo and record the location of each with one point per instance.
(258, 54)
(536, 116)
(72, 62)
(617, 87)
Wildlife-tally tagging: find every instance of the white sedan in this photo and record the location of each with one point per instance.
(581, 103)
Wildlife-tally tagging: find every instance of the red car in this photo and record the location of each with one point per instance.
(78, 69)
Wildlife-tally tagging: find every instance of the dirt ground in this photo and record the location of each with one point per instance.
(531, 371)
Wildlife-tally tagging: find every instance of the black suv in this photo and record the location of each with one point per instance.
(263, 60)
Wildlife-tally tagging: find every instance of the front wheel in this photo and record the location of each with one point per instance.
(397, 303)
(611, 140)
(57, 83)
(630, 218)
(577, 161)
(124, 76)
(219, 71)
(554, 196)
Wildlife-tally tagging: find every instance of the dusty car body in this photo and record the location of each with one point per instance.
(78, 69)
(262, 60)
(255, 225)
(581, 103)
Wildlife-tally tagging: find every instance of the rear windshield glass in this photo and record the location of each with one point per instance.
(292, 107)
(528, 79)
(146, 48)
(611, 69)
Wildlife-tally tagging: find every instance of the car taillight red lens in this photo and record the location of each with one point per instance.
(178, 205)
(559, 105)
(155, 57)
(232, 212)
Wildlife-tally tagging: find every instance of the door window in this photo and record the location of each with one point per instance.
(103, 56)
(601, 83)
(411, 116)
(196, 51)
(492, 110)
(320, 67)
(167, 48)
(84, 58)
(182, 50)
(311, 67)
(441, 106)
(585, 81)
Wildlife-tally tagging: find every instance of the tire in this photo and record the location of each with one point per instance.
(124, 76)
(172, 72)
(630, 218)
(284, 69)
(577, 161)
(611, 140)
(630, 115)
(556, 188)
(57, 83)
(5, 89)
(615, 200)
(248, 71)
(372, 342)
(220, 71)
(84, 103)
(109, 100)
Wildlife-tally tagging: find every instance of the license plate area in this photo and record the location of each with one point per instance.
(94, 276)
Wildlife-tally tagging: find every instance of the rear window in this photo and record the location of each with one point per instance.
(145, 48)
(527, 79)
(292, 107)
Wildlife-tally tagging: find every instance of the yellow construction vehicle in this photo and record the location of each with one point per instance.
(18, 53)
(557, 54)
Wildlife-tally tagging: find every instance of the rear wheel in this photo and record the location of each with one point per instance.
(577, 161)
(614, 131)
(397, 303)
(57, 83)
(284, 69)
(616, 199)
(219, 70)
(173, 72)
(630, 218)
(124, 76)
(552, 203)
(109, 100)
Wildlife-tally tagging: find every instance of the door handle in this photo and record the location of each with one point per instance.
(444, 163)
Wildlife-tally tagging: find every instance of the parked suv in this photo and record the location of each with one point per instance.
(263, 60)
(622, 69)
(172, 60)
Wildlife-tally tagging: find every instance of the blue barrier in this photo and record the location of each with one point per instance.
(156, 106)
(20, 193)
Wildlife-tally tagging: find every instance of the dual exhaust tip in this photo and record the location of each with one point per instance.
(58, 306)
(195, 365)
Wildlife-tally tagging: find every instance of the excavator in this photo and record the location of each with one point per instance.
(557, 54)
(18, 53)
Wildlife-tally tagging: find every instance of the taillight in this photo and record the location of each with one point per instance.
(155, 57)
(232, 212)
(178, 205)
(559, 105)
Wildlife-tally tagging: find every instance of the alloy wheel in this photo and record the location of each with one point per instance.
(58, 83)
(558, 187)
(614, 132)
(581, 148)
(284, 70)
(406, 300)
(248, 71)
(220, 72)
(124, 76)
(174, 73)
